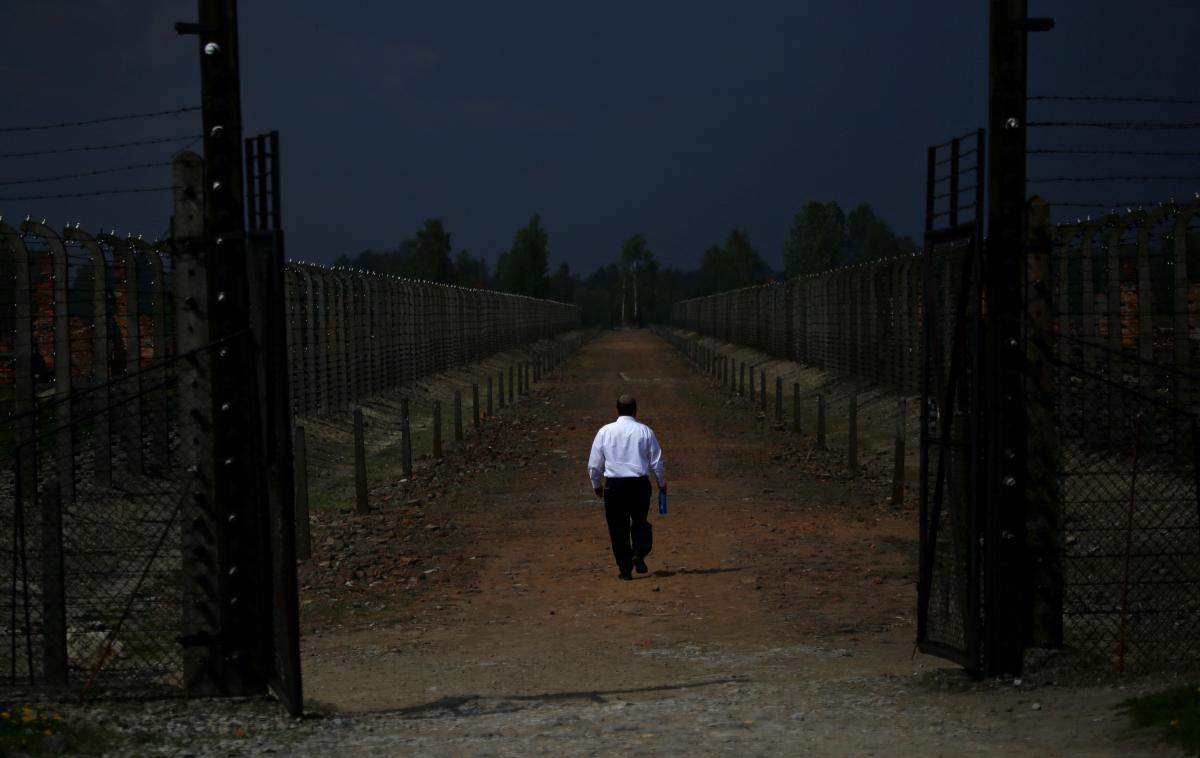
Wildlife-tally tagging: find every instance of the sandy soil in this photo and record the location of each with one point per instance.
(777, 617)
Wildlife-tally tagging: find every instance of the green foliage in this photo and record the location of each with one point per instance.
(870, 239)
(730, 266)
(562, 285)
(823, 238)
(523, 268)
(639, 271)
(599, 299)
(429, 254)
(1176, 712)
(817, 241)
(470, 272)
(426, 256)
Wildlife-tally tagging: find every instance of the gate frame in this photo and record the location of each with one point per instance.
(969, 296)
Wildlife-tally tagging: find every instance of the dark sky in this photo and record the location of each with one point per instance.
(678, 120)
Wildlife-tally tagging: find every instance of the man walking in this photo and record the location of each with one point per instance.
(624, 454)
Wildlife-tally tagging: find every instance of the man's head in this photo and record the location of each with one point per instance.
(626, 405)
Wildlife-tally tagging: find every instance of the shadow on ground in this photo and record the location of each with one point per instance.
(479, 705)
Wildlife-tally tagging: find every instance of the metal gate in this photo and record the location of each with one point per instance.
(949, 591)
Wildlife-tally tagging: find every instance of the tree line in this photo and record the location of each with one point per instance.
(635, 288)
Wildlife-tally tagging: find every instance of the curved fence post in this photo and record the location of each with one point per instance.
(64, 439)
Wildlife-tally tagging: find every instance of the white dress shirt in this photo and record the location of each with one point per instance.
(625, 448)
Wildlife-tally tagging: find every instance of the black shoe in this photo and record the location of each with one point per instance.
(625, 575)
(640, 565)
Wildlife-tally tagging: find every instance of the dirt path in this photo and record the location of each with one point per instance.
(777, 618)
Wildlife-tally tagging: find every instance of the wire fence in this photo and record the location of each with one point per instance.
(96, 587)
(1114, 526)
(1125, 297)
(861, 320)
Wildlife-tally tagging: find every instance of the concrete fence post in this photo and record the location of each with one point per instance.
(54, 589)
(406, 438)
(779, 400)
(360, 464)
(821, 420)
(898, 468)
(458, 419)
(796, 407)
(437, 428)
(475, 405)
(762, 391)
(852, 431)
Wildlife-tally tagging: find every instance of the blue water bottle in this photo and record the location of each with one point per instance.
(662, 502)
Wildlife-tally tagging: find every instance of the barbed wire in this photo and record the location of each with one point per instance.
(1142, 178)
(82, 174)
(1144, 153)
(103, 120)
(1115, 99)
(99, 193)
(111, 146)
(1119, 125)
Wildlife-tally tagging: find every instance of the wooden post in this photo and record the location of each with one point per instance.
(54, 591)
(762, 391)
(796, 407)
(490, 406)
(752, 384)
(852, 443)
(458, 419)
(437, 428)
(475, 405)
(898, 470)
(821, 420)
(406, 438)
(500, 390)
(742, 379)
(300, 471)
(360, 464)
(511, 385)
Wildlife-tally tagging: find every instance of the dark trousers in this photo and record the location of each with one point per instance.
(626, 503)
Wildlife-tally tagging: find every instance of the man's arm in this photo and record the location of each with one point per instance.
(596, 465)
(656, 462)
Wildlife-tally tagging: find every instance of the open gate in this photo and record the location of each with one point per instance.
(952, 523)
